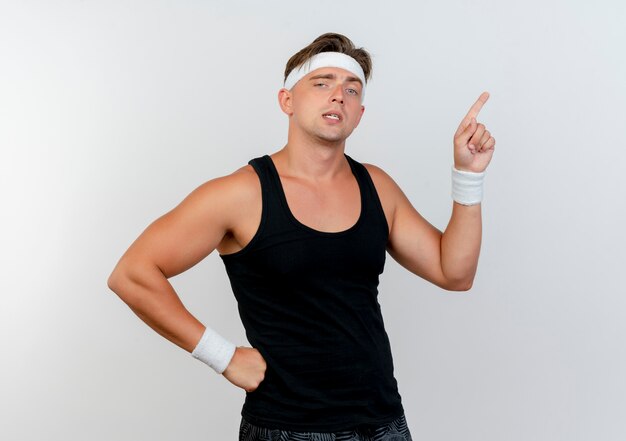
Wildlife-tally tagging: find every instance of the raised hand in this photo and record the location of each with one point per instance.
(473, 144)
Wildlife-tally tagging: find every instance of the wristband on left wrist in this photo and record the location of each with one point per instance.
(467, 187)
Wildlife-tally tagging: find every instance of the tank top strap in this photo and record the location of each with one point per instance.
(271, 191)
(373, 206)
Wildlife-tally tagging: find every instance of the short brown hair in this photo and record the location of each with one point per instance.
(331, 42)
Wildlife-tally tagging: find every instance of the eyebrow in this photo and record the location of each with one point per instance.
(330, 76)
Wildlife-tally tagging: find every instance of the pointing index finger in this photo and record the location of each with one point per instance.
(473, 111)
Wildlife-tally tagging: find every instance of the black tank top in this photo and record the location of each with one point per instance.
(308, 302)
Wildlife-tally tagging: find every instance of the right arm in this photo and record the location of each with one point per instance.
(174, 243)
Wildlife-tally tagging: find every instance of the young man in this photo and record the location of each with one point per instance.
(303, 235)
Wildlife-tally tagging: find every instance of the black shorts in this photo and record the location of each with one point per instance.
(396, 430)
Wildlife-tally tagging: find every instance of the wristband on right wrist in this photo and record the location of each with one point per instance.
(467, 187)
(214, 350)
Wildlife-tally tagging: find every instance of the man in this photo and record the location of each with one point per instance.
(303, 235)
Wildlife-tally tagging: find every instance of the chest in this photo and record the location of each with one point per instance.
(331, 207)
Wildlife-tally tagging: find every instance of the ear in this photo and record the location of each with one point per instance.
(285, 101)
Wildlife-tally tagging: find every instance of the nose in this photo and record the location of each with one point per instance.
(337, 95)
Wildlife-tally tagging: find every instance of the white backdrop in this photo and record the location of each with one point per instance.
(111, 112)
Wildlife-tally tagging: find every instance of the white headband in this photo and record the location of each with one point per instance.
(327, 59)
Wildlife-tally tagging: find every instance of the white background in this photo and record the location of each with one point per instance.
(111, 112)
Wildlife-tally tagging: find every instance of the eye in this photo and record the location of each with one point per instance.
(319, 84)
(353, 91)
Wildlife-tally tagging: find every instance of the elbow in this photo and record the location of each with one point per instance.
(114, 282)
(457, 279)
(121, 284)
(120, 281)
(132, 282)
(465, 286)
(459, 284)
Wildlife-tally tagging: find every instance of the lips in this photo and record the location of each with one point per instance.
(333, 116)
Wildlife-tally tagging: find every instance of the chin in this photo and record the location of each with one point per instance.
(335, 137)
(334, 140)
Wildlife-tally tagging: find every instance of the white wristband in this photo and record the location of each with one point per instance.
(214, 350)
(467, 187)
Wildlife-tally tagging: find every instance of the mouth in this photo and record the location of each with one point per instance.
(332, 116)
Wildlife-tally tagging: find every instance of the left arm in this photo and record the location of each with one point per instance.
(449, 259)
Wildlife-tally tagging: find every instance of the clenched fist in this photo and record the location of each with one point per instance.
(246, 369)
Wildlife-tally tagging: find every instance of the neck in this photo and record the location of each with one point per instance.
(311, 160)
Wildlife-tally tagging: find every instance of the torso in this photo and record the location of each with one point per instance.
(311, 270)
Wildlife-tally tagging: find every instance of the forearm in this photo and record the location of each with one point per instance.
(150, 295)
(460, 245)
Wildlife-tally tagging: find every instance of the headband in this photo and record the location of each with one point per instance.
(327, 59)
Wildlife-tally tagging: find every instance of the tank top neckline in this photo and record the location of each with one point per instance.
(295, 221)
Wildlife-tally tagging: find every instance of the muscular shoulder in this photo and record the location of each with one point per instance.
(231, 197)
(242, 183)
(197, 225)
(382, 180)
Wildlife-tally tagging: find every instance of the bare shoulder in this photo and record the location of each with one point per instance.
(215, 207)
(245, 191)
(386, 187)
(232, 196)
(243, 182)
(197, 225)
(241, 179)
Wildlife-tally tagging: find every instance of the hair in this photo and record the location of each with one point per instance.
(331, 42)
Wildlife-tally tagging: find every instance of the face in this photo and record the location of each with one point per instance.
(325, 104)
